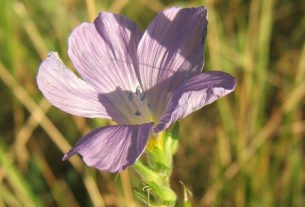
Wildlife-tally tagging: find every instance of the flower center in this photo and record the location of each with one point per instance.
(141, 109)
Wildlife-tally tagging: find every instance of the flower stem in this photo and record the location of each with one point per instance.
(156, 169)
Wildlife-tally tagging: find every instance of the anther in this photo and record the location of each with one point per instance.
(149, 106)
(138, 90)
(130, 96)
(142, 96)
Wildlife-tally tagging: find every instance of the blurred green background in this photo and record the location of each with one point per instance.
(245, 150)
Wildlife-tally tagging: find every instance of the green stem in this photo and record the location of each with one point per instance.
(157, 186)
(155, 172)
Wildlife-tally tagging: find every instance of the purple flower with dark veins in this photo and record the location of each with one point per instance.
(143, 81)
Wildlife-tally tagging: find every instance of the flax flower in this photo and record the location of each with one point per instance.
(144, 81)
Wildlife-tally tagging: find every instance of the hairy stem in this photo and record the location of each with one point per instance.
(156, 169)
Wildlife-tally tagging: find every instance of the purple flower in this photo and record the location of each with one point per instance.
(143, 81)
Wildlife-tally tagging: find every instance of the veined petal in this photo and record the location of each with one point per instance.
(66, 91)
(131, 107)
(170, 50)
(104, 52)
(194, 93)
(112, 148)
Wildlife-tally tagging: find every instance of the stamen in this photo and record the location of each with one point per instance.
(142, 96)
(138, 90)
(137, 113)
(130, 96)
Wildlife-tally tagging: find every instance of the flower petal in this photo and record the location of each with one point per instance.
(112, 148)
(104, 53)
(171, 48)
(194, 93)
(66, 91)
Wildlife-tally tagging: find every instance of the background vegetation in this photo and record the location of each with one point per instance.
(245, 150)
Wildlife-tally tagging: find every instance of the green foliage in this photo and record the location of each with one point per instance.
(156, 171)
(245, 150)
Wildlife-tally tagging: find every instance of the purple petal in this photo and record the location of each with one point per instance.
(128, 106)
(170, 50)
(66, 91)
(194, 93)
(104, 53)
(112, 148)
